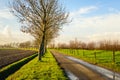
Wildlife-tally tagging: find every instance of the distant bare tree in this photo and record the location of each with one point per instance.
(104, 45)
(62, 46)
(41, 18)
(26, 44)
(115, 45)
(75, 44)
(83, 45)
(91, 45)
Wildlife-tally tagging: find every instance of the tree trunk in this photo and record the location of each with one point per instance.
(45, 46)
(41, 48)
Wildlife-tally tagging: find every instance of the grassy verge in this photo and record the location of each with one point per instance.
(6, 71)
(99, 57)
(47, 69)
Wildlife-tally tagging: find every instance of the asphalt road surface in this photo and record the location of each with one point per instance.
(80, 71)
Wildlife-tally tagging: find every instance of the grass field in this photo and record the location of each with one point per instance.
(98, 57)
(47, 69)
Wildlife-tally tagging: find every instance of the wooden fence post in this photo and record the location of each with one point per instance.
(113, 56)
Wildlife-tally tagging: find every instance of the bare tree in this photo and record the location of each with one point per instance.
(26, 44)
(41, 18)
(62, 46)
(75, 44)
(91, 45)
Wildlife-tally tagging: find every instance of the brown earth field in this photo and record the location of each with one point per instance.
(8, 56)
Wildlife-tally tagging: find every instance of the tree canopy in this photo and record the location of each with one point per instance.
(40, 18)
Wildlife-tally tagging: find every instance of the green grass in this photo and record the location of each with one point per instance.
(47, 69)
(99, 57)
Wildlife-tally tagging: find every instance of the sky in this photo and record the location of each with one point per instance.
(89, 20)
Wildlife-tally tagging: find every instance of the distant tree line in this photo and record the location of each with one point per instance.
(101, 45)
(10, 45)
(26, 44)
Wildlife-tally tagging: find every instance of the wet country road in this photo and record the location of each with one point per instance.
(109, 74)
(77, 69)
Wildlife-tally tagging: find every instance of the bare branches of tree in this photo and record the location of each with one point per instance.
(40, 18)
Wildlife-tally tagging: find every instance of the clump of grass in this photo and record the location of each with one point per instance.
(47, 69)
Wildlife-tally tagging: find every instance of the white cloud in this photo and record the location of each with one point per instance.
(5, 13)
(104, 26)
(111, 9)
(105, 36)
(83, 10)
(87, 9)
(104, 20)
(7, 35)
(7, 31)
(109, 20)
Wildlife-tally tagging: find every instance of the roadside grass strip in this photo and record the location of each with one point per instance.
(8, 70)
(47, 69)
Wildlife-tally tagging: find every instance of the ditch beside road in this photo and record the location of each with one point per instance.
(80, 71)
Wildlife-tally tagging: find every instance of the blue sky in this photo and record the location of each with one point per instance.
(92, 20)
